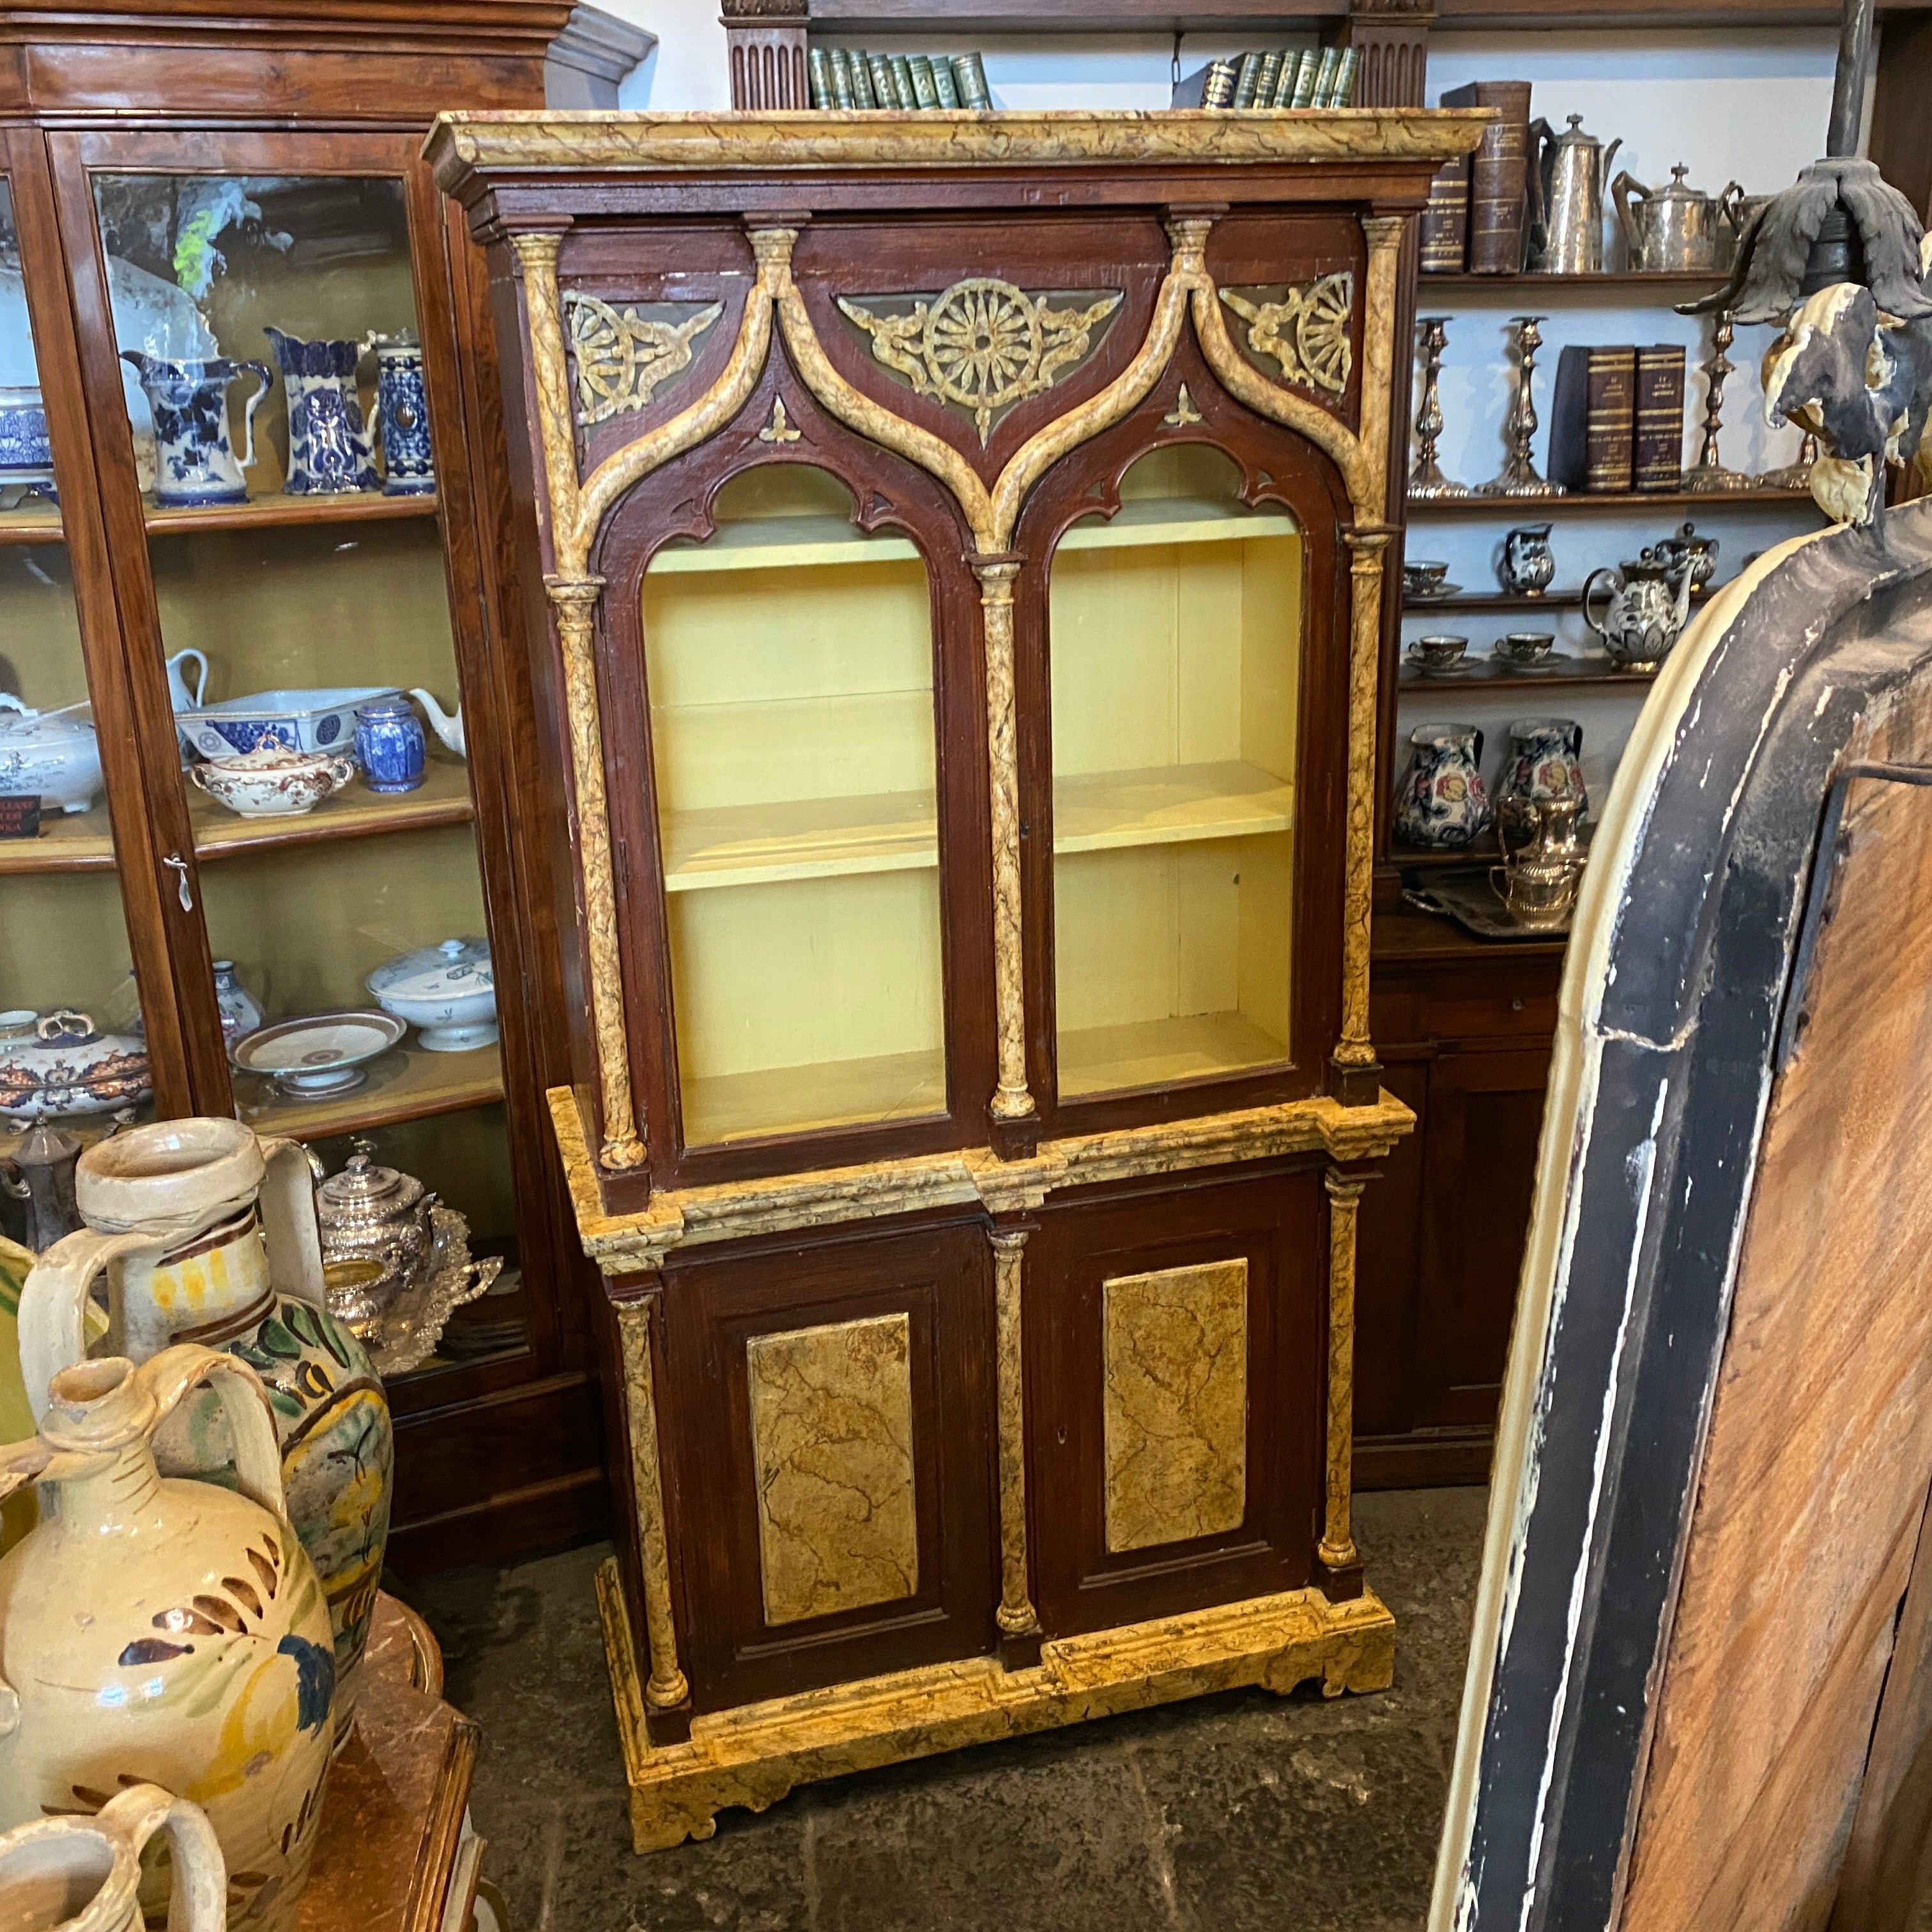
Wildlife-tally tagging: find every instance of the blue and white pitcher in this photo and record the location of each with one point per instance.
(194, 461)
(402, 414)
(329, 454)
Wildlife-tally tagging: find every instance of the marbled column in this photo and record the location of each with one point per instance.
(1337, 1547)
(1016, 1616)
(831, 1410)
(1356, 1054)
(666, 1688)
(1174, 1377)
(1011, 1101)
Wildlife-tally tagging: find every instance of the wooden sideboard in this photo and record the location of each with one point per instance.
(954, 553)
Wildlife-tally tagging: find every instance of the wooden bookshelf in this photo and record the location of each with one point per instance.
(1477, 506)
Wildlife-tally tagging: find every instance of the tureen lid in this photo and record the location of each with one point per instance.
(271, 755)
(457, 966)
(366, 1191)
(22, 720)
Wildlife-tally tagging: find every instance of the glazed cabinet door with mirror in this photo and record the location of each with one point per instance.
(267, 344)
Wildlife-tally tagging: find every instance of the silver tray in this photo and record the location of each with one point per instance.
(413, 1325)
(1471, 902)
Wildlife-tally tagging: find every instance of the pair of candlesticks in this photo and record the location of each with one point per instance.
(1518, 476)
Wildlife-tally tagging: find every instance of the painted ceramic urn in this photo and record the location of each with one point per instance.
(159, 1631)
(205, 1232)
(75, 1874)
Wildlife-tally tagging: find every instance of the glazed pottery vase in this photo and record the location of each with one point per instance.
(1544, 763)
(1441, 803)
(401, 415)
(390, 745)
(158, 1631)
(206, 1232)
(240, 1011)
(194, 461)
(1526, 565)
(82, 1874)
(328, 448)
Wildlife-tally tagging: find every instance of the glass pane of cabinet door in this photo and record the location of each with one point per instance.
(71, 1049)
(790, 665)
(275, 393)
(1175, 632)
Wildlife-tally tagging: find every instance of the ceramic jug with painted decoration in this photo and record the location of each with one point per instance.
(208, 1234)
(75, 1874)
(157, 1630)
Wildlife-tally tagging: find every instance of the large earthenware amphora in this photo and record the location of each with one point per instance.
(159, 1631)
(81, 1874)
(208, 1234)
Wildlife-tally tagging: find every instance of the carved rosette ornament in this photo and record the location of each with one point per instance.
(1305, 334)
(622, 359)
(982, 345)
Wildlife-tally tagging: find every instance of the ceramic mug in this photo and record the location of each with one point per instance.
(81, 1874)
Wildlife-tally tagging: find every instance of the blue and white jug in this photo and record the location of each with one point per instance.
(194, 461)
(328, 448)
(401, 415)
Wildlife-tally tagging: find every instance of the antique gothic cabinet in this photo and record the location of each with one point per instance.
(954, 552)
(174, 180)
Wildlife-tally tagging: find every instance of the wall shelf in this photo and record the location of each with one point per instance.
(1582, 501)
(1663, 284)
(1566, 672)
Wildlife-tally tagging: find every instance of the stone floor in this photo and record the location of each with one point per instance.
(1234, 1812)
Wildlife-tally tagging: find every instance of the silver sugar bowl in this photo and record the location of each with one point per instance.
(377, 1237)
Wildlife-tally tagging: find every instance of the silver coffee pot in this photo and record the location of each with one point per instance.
(1671, 230)
(1567, 173)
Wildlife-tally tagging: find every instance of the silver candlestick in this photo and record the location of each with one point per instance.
(1518, 476)
(1710, 474)
(1426, 482)
(1794, 475)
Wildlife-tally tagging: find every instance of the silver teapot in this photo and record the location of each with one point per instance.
(1670, 229)
(1567, 173)
(1643, 616)
(1539, 882)
(377, 1237)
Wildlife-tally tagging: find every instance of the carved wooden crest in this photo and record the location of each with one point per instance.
(621, 358)
(982, 345)
(1306, 333)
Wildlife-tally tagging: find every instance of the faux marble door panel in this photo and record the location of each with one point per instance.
(1174, 1355)
(831, 1410)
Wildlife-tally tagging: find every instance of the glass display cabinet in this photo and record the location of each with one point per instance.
(955, 603)
(250, 455)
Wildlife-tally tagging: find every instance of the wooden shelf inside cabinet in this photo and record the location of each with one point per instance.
(354, 812)
(407, 1083)
(1142, 1053)
(720, 1108)
(1578, 500)
(261, 513)
(1561, 671)
(32, 522)
(1666, 285)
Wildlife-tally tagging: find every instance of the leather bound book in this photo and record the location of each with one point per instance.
(1592, 418)
(1445, 221)
(1247, 80)
(1658, 448)
(1498, 175)
(1270, 79)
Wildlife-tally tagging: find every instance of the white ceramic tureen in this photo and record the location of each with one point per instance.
(272, 782)
(59, 1064)
(448, 991)
(53, 753)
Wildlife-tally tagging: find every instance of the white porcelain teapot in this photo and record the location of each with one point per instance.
(448, 725)
(50, 752)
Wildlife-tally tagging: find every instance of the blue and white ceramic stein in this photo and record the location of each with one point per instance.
(328, 448)
(401, 416)
(389, 745)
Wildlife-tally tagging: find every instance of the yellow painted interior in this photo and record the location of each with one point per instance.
(1175, 642)
(790, 668)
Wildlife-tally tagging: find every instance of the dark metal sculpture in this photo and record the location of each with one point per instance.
(1841, 258)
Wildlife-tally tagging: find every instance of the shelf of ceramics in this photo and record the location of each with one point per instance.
(1159, 1052)
(887, 832)
(32, 523)
(1559, 671)
(1505, 600)
(724, 1107)
(81, 841)
(1666, 285)
(1538, 506)
(407, 1083)
(269, 512)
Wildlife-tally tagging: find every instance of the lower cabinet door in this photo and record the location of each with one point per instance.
(829, 1413)
(1175, 1371)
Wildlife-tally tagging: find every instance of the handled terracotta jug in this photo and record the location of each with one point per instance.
(177, 1213)
(75, 1874)
(155, 1630)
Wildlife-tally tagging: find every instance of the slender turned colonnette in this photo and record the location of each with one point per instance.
(1025, 1395)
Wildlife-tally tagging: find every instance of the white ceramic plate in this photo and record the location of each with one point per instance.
(320, 1053)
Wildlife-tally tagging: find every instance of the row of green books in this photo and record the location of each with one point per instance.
(1315, 77)
(846, 80)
